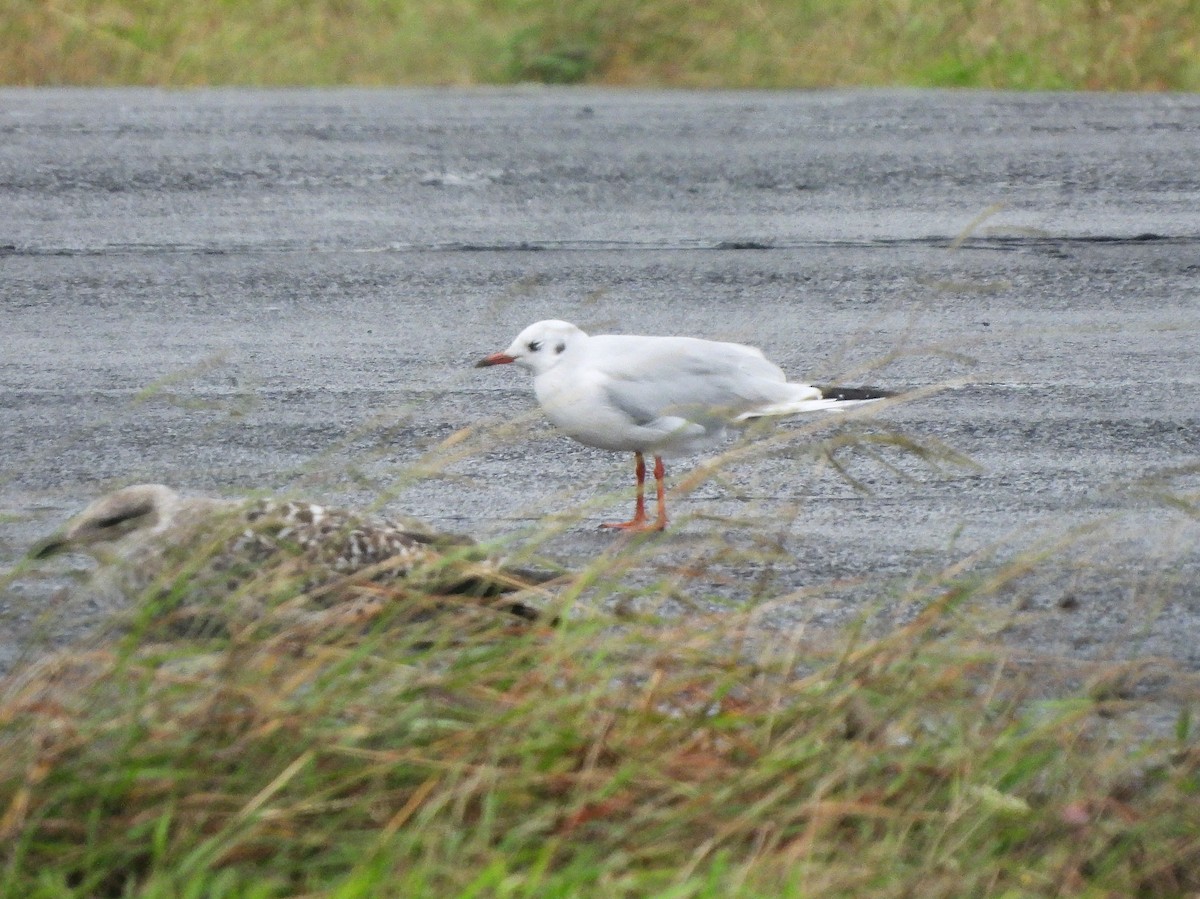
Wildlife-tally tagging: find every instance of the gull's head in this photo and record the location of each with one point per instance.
(539, 347)
(104, 526)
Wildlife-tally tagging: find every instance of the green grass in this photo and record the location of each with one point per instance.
(620, 753)
(1022, 44)
(686, 759)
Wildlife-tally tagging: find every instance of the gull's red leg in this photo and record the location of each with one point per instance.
(639, 521)
(660, 473)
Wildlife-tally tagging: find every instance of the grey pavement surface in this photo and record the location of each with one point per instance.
(239, 290)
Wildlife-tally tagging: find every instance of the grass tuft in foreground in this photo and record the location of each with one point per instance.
(695, 758)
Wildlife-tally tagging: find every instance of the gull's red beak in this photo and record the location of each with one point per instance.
(495, 359)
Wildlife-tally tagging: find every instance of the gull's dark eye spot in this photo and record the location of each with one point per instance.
(534, 345)
(124, 515)
(114, 520)
(560, 348)
(120, 518)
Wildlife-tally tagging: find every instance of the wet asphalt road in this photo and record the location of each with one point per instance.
(239, 290)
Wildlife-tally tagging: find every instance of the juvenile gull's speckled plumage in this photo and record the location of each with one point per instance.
(248, 556)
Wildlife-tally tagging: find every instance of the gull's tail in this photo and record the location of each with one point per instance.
(820, 399)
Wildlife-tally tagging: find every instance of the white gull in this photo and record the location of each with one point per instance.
(662, 396)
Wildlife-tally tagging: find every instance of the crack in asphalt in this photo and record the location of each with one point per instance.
(1001, 244)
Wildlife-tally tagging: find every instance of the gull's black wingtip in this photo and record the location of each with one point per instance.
(834, 392)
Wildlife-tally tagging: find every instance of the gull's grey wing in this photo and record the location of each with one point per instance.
(648, 378)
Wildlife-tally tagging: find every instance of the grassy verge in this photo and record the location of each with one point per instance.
(1024, 44)
(590, 759)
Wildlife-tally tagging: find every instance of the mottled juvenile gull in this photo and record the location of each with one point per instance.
(246, 557)
(659, 395)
